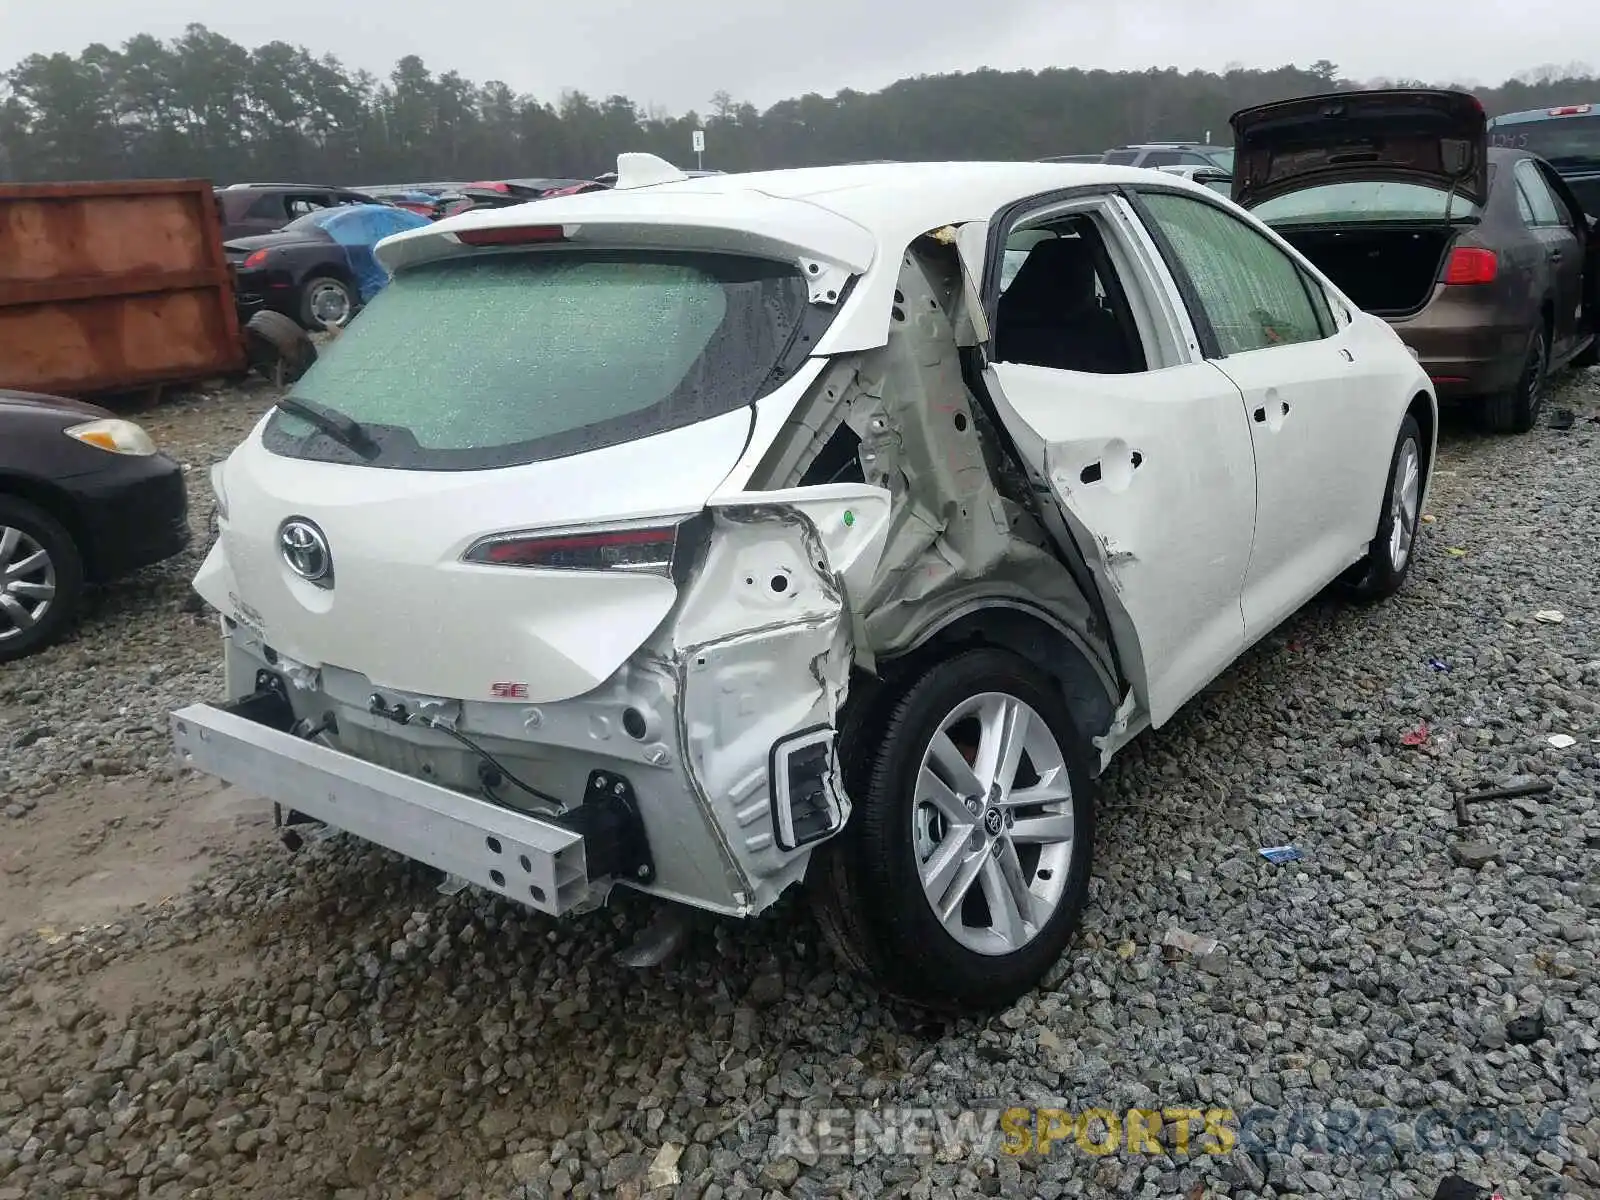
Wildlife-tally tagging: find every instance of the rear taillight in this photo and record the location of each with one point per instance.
(1569, 110)
(255, 259)
(640, 549)
(1469, 264)
(511, 235)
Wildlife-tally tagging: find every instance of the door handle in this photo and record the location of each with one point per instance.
(1282, 407)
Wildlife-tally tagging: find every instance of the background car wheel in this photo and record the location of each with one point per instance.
(279, 349)
(963, 871)
(41, 579)
(1389, 558)
(326, 303)
(1517, 411)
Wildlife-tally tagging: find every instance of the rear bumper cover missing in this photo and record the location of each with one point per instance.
(535, 862)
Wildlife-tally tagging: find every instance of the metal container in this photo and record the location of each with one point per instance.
(108, 287)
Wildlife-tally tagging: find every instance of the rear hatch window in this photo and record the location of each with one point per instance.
(498, 360)
(1364, 201)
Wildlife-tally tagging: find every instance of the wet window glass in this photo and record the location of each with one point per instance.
(1253, 293)
(492, 360)
(1533, 187)
(1361, 200)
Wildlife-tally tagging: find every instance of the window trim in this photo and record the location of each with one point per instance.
(1205, 332)
(1210, 344)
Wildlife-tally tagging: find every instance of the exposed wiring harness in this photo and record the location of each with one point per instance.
(491, 771)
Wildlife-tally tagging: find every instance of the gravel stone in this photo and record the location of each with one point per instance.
(327, 1024)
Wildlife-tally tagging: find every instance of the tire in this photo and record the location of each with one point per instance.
(1393, 549)
(278, 348)
(36, 553)
(868, 881)
(1517, 410)
(317, 293)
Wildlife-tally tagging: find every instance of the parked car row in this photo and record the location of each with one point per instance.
(1155, 422)
(305, 252)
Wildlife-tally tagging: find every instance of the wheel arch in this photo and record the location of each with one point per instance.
(1087, 686)
(58, 503)
(1425, 409)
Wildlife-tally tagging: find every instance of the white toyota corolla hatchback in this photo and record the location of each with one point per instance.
(714, 536)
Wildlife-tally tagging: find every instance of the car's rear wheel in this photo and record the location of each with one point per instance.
(1388, 561)
(41, 578)
(1517, 410)
(326, 303)
(963, 871)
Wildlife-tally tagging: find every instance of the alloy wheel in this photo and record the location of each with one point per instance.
(1405, 499)
(330, 304)
(992, 823)
(27, 582)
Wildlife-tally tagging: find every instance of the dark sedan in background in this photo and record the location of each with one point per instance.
(251, 208)
(1482, 259)
(84, 498)
(319, 269)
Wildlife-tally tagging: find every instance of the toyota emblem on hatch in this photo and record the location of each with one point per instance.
(305, 550)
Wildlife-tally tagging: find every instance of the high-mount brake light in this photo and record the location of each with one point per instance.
(511, 235)
(1569, 110)
(1469, 264)
(640, 550)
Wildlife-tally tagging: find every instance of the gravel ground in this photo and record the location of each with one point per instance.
(189, 1011)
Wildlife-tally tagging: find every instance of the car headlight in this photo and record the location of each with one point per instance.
(115, 435)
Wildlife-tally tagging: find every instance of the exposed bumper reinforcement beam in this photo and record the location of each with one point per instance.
(534, 862)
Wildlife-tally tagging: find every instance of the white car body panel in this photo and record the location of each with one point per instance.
(409, 613)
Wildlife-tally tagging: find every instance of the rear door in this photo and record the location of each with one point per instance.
(1556, 227)
(1150, 468)
(1321, 423)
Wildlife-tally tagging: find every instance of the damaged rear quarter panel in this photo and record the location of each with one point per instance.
(763, 644)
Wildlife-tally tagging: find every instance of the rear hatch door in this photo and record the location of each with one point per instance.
(1421, 136)
(537, 422)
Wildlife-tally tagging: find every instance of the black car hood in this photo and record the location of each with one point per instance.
(1420, 136)
(275, 241)
(35, 403)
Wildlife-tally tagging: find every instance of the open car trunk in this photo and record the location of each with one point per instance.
(1387, 270)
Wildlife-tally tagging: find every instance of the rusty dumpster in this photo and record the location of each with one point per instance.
(108, 287)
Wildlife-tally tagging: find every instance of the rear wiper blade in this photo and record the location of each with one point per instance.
(345, 430)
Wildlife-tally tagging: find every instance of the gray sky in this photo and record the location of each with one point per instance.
(676, 53)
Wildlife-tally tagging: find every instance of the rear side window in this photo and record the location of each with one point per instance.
(1533, 188)
(1121, 158)
(498, 360)
(268, 206)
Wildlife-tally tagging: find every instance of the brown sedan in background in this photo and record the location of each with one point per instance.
(1482, 260)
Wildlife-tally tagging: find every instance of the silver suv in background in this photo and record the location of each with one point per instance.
(1170, 154)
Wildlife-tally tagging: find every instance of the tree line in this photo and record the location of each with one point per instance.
(203, 105)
